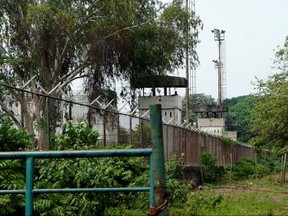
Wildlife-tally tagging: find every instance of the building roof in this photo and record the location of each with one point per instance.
(159, 81)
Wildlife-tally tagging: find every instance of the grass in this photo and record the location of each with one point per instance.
(261, 196)
(252, 197)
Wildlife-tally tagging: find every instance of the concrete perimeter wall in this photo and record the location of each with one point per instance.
(189, 144)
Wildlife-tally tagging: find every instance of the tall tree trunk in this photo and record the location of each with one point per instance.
(35, 120)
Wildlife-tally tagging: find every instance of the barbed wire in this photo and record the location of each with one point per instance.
(131, 114)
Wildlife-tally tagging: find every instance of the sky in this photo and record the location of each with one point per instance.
(254, 29)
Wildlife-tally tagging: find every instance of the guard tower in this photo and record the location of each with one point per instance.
(171, 102)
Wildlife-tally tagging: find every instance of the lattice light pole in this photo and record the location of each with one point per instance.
(219, 37)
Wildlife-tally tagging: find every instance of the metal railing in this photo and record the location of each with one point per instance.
(32, 155)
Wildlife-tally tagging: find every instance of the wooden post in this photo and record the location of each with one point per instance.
(283, 169)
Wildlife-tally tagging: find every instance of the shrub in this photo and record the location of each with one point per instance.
(11, 138)
(12, 171)
(246, 167)
(272, 162)
(212, 172)
(83, 173)
(75, 137)
(243, 169)
(177, 190)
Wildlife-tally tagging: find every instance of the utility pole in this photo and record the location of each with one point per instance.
(187, 64)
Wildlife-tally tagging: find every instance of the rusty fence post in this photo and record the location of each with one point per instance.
(161, 196)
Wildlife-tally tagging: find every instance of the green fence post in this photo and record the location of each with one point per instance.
(29, 186)
(158, 160)
(151, 175)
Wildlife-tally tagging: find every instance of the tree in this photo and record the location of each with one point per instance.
(270, 114)
(240, 110)
(196, 100)
(45, 45)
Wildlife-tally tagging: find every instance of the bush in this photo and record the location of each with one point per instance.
(12, 175)
(83, 173)
(272, 162)
(212, 172)
(177, 190)
(246, 167)
(75, 137)
(243, 169)
(11, 138)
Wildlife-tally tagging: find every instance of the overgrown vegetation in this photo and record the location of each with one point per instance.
(52, 43)
(126, 172)
(228, 141)
(212, 172)
(249, 197)
(86, 173)
(240, 109)
(12, 139)
(244, 168)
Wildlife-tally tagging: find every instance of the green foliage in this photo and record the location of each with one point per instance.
(240, 109)
(111, 40)
(212, 172)
(271, 163)
(75, 137)
(11, 138)
(12, 171)
(269, 116)
(123, 210)
(196, 100)
(87, 173)
(262, 200)
(12, 178)
(142, 131)
(177, 190)
(83, 173)
(243, 169)
(197, 204)
(228, 141)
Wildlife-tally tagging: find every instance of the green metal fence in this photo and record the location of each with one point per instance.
(31, 156)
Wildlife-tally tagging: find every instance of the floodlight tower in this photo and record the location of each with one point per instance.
(219, 37)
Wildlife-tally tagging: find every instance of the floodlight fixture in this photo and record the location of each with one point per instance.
(219, 35)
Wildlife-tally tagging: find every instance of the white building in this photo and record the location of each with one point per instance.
(171, 107)
(215, 126)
